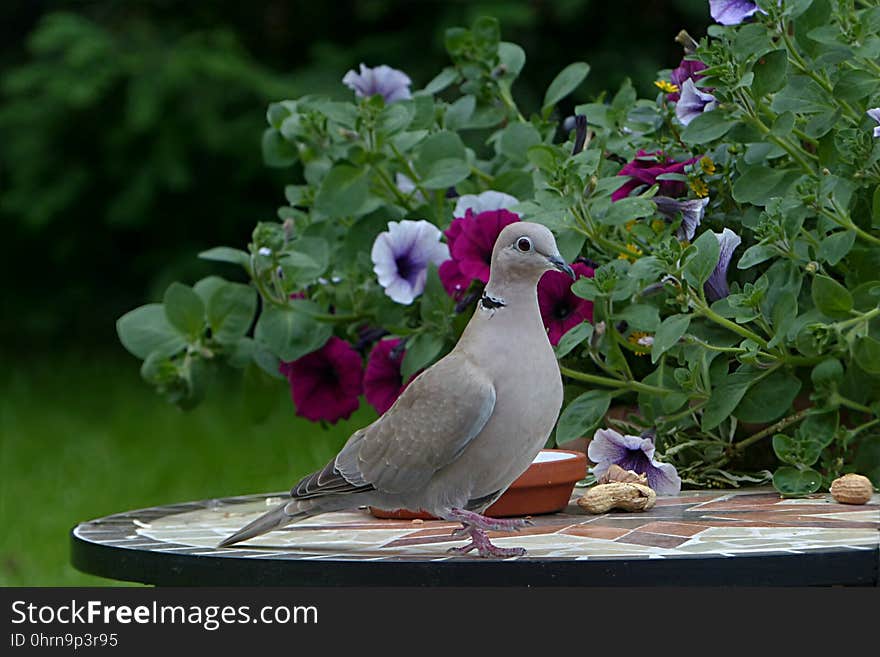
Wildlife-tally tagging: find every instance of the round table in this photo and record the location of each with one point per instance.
(743, 537)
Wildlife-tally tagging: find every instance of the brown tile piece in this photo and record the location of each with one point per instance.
(596, 531)
(673, 528)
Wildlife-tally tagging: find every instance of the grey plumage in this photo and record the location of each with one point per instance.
(465, 428)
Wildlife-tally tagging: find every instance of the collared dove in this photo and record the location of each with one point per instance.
(466, 427)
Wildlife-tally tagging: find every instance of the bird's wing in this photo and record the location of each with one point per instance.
(429, 425)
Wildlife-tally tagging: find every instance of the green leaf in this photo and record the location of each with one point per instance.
(867, 353)
(564, 83)
(277, 151)
(443, 79)
(207, 286)
(184, 309)
(790, 481)
(516, 139)
(769, 398)
(146, 330)
(627, 209)
(289, 334)
(512, 58)
(828, 373)
(830, 297)
(226, 254)
(459, 113)
(700, 267)
(706, 127)
(769, 70)
(446, 173)
(755, 255)
(787, 449)
(396, 117)
(436, 306)
(801, 95)
(305, 260)
(572, 338)
(725, 398)
(875, 208)
(758, 184)
(640, 316)
(834, 247)
(421, 351)
(231, 310)
(442, 145)
(582, 416)
(669, 334)
(343, 191)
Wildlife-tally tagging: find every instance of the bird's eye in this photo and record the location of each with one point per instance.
(524, 244)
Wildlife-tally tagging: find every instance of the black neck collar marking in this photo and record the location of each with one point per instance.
(491, 303)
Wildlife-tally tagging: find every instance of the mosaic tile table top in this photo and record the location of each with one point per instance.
(729, 527)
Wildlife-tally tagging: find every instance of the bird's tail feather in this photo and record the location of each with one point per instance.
(277, 517)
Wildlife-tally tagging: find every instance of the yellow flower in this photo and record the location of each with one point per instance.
(641, 342)
(700, 188)
(658, 225)
(634, 250)
(666, 87)
(629, 225)
(707, 165)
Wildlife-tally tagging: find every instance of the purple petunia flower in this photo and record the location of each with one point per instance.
(691, 212)
(561, 309)
(634, 453)
(388, 82)
(875, 114)
(688, 69)
(716, 287)
(483, 202)
(401, 256)
(732, 12)
(693, 102)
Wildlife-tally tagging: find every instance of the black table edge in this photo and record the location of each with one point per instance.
(821, 567)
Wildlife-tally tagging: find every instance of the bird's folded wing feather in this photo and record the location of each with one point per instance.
(430, 424)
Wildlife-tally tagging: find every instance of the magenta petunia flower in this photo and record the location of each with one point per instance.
(644, 169)
(383, 382)
(634, 453)
(470, 240)
(388, 82)
(326, 384)
(732, 12)
(716, 287)
(688, 69)
(562, 309)
(693, 102)
(472, 248)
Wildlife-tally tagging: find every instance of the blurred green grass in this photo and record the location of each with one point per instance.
(83, 437)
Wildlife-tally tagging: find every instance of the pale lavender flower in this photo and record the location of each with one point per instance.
(716, 287)
(401, 256)
(485, 202)
(693, 102)
(408, 187)
(875, 114)
(634, 453)
(646, 341)
(388, 82)
(691, 211)
(732, 12)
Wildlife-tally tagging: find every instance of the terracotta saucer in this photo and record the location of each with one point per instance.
(545, 487)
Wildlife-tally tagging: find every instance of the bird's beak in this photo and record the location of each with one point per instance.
(561, 265)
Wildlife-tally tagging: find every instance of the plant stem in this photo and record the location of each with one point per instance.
(772, 429)
(726, 323)
(635, 386)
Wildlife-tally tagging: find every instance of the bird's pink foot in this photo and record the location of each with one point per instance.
(475, 526)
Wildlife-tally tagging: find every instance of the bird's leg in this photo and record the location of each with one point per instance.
(476, 525)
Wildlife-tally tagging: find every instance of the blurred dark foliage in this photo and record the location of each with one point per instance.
(130, 131)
